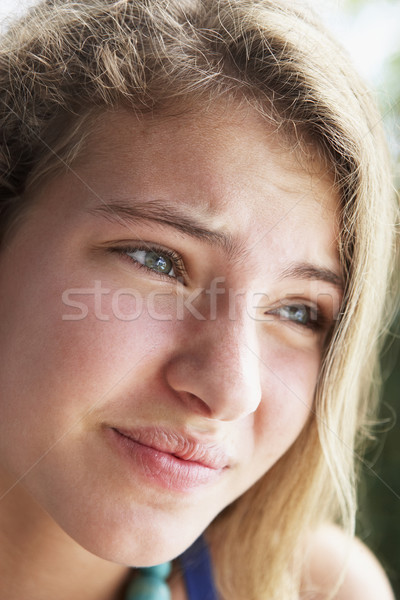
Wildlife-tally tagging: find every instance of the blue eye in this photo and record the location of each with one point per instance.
(161, 261)
(155, 261)
(299, 314)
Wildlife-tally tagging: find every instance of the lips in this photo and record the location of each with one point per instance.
(169, 458)
(185, 448)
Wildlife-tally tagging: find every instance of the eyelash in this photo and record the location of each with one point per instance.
(317, 321)
(176, 259)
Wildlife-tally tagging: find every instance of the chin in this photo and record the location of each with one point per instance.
(118, 518)
(142, 539)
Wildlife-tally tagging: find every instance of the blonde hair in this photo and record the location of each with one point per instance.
(68, 60)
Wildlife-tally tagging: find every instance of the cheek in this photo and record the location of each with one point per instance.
(58, 370)
(288, 391)
(116, 338)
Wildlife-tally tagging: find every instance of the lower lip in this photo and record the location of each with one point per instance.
(161, 468)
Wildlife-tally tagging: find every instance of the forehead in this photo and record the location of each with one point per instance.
(229, 156)
(226, 171)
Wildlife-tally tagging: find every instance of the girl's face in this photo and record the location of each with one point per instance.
(164, 309)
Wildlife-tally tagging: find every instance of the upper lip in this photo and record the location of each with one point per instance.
(185, 447)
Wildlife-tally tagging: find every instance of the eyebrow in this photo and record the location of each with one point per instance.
(311, 272)
(170, 215)
(166, 214)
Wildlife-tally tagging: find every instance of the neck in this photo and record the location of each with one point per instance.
(39, 561)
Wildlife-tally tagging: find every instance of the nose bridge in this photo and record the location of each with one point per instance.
(234, 359)
(218, 362)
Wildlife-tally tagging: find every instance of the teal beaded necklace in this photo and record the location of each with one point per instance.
(150, 584)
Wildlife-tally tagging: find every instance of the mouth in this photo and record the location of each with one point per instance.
(170, 459)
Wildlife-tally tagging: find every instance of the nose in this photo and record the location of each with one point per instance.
(216, 370)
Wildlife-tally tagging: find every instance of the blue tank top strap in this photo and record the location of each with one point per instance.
(197, 571)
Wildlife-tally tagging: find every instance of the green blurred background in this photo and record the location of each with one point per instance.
(370, 29)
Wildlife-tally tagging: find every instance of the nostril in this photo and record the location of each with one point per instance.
(196, 404)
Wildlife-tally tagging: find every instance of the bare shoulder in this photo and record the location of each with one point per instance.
(329, 552)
